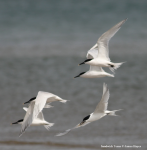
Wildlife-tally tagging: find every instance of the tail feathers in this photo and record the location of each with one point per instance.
(112, 113)
(63, 101)
(112, 75)
(48, 126)
(115, 66)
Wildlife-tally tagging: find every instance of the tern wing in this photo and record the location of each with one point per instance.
(25, 108)
(40, 116)
(96, 68)
(92, 53)
(103, 104)
(103, 41)
(77, 126)
(40, 102)
(28, 118)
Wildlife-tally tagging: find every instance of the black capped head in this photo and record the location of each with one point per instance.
(17, 122)
(86, 118)
(85, 61)
(30, 100)
(79, 75)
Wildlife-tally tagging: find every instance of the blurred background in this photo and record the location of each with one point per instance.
(41, 44)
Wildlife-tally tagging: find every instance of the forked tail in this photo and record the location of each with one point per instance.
(48, 126)
(115, 66)
(63, 101)
(112, 113)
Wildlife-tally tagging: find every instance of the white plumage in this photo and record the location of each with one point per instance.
(99, 53)
(34, 110)
(99, 112)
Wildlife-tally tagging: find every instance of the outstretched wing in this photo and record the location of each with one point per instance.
(40, 102)
(93, 52)
(103, 104)
(103, 41)
(28, 118)
(77, 126)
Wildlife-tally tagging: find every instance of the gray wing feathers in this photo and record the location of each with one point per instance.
(92, 53)
(41, 100)
(103, 41)
(77, 126)
(39, 104)
(102, 105)
(104, 88)
(40, 116)
(28, 118)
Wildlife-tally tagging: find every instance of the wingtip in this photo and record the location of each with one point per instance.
(105, 85)
(20, 135)
(126, 19)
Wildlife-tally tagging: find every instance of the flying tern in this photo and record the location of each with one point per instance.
(38, 121)
(99, 112)
(98, 55)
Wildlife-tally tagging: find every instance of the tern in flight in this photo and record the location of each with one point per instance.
(36, 106)
(99, 112)
(29, 121)
(98, 55)
(38, 121)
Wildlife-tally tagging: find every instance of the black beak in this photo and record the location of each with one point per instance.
(26, 102)
(15, 122)
(82, 63)
(77, 76)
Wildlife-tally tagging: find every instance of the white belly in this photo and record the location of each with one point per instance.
(95, 117)
(99, 62)
(95, 74)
